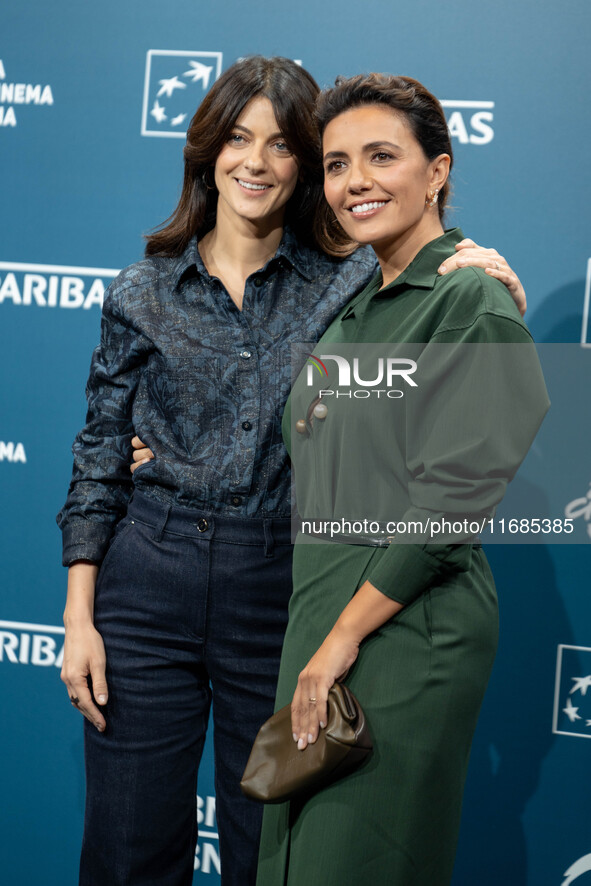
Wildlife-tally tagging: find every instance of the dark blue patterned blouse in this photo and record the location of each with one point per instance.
(202, 383)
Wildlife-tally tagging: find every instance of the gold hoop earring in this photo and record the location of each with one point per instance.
(207, 179)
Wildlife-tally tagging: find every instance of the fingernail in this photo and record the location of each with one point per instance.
(102, 699)
(442, 269)
(295, 736)
(100, 727)
(310, 738)
(322, 724)
(301, 744)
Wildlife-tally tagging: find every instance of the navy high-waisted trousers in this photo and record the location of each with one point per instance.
(192, 609)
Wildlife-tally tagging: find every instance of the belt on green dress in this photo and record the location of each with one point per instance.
(374, 541)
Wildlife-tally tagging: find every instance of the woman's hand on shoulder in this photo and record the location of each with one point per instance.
(141, 453)
(470, 254)
(309, 709)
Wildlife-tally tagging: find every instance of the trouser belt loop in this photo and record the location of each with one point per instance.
(269, 540)
(160, 523)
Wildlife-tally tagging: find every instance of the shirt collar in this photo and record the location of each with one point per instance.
(420, 273)
(300, 257)
(188, 260)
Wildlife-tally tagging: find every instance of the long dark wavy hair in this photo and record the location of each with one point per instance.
(422, 112)
(292, 92)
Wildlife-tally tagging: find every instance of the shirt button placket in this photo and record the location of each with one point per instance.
(249, 370)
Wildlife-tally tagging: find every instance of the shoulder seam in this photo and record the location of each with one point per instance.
(118, 288)
(484, 313)
(486, 309)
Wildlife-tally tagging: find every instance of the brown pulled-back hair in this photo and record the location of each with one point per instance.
(409, 98)
(292, 91)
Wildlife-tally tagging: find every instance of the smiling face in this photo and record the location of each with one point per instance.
(377, 180)
(255, 172)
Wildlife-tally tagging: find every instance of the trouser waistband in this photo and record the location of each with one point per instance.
(201, 523)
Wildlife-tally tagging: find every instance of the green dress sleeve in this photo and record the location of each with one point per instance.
(483, 399)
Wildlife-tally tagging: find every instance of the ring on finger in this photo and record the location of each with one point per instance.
(497, 265)
(75, 700)
(312, 700)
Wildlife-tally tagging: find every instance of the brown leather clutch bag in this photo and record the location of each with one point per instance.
(277, 771)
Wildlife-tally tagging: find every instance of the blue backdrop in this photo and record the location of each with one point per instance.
(91, 157)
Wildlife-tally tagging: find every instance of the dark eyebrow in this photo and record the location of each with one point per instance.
(371, 146)
(250, 132)
(332, 154)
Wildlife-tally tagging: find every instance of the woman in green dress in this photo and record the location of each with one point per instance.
(413, 626)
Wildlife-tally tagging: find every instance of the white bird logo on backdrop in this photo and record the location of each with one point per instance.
(199, 72)
(581, 684)
(174, 86)
(571, 711)
(158, 113)
(580, 507)
(576, 870)
(168, 86)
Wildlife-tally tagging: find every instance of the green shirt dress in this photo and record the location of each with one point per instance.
(447, 447)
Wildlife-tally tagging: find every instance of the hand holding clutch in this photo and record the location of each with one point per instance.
(277, 770)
